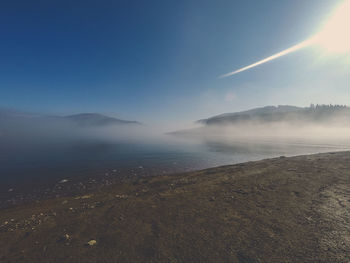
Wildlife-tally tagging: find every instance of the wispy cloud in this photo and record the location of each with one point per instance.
(277, 55)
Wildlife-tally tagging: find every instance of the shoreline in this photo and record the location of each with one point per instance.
(20, 193)
(285, 209)
(17, 194)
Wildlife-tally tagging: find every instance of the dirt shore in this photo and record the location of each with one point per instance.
(293, 209)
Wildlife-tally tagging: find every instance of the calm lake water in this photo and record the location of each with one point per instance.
(55, 162)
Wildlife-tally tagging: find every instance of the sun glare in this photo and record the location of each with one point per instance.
(335, 35)
(333, 38)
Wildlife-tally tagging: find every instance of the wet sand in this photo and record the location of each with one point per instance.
(294, 209)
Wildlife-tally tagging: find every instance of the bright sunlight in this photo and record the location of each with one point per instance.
(335, 36)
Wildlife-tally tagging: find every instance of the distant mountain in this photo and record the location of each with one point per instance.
(82, 119)
(291, 114)
(95, 119)
(26, 130)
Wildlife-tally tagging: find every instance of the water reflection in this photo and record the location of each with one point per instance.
(94, 158)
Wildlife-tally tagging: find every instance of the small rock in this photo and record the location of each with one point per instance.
(86, 196)
(64, 202)
(63, 181)
(92, 242)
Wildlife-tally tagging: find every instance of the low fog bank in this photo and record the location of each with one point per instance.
(334, 133)
(320, 124)
(323, 125)
(33, 146)
(25, 131)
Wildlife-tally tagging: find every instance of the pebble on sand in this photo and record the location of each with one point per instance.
(92, 242)
(63, 181)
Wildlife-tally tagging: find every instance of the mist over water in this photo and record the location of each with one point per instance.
(43, 149)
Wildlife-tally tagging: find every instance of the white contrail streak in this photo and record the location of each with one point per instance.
(280, 54)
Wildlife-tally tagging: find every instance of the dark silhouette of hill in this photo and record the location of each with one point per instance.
(283, 113)
(82, 119)
(23, 129)
(95, 119)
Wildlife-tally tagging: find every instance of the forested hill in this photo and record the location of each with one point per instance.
(284, 113)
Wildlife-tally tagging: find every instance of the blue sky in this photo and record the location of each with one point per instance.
(159, 61)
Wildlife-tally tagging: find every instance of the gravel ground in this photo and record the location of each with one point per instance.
(293, 209)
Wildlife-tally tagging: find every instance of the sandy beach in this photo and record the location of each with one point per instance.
(294, 209)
